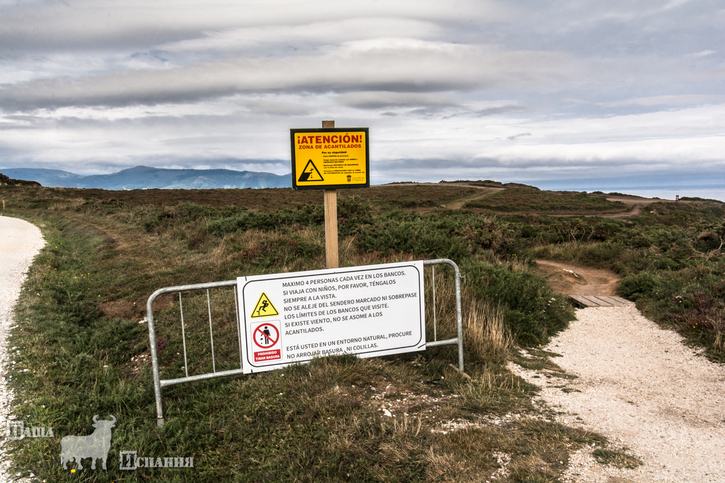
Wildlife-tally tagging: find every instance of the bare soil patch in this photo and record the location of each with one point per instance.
(577, 280)
(635, 203)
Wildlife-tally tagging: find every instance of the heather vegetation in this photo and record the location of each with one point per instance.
(81, 350)
(671, 261)
(520, 199)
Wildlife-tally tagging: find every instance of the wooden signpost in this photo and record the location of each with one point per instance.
(332, 253)
(330, 159)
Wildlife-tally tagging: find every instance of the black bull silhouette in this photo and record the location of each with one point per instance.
(94, 446)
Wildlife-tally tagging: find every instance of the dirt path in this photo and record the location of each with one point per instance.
(635, 204)
(639, 386)
(458, 204)
(576, 280)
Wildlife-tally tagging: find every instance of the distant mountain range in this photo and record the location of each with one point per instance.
(143, 177)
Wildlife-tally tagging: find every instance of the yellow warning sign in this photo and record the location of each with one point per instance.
(264, 307)
(330, 158)
(310, 173)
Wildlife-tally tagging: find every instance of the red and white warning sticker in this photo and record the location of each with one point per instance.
(267, 345)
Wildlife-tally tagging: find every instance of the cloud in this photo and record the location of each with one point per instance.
(518, 136)
(280, 38)
(410, 66)
(671, 100)
(387, 99)
(84, 24)
(662, 140)
(449, 88)
(704, 53)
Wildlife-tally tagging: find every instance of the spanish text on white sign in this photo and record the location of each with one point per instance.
(370, 311)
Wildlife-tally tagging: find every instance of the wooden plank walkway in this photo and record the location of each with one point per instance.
(599, 301)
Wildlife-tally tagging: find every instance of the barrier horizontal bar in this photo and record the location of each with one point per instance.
(200, 377)
(442, 342)
(198, 286)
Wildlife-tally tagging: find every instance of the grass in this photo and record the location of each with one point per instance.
(616, 458)
(80, 350)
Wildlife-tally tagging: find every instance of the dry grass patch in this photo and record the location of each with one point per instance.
(485, 333)
(619, 459)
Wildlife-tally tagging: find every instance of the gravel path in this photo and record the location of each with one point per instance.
(643, 389)
(20, 241)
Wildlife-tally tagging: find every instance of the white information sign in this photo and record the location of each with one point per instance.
(370, 311)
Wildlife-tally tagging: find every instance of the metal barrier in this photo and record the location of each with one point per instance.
(159, 383)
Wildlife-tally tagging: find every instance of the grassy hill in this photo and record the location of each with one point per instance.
(82, 351)
(6, 180)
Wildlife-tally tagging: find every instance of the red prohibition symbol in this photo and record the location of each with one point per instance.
(265, 336)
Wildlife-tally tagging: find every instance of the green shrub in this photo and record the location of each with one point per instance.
(161, 219)
(598, 254)
(702, 318)
(239, 222)
(282, 250)
(543, 201)
(417, 237)
(352, 214)
(532, 310)
(636, 286)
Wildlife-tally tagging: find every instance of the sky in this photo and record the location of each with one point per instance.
(559, 93)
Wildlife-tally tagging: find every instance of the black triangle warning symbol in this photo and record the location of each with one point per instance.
(264, 307)
(310, 173)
